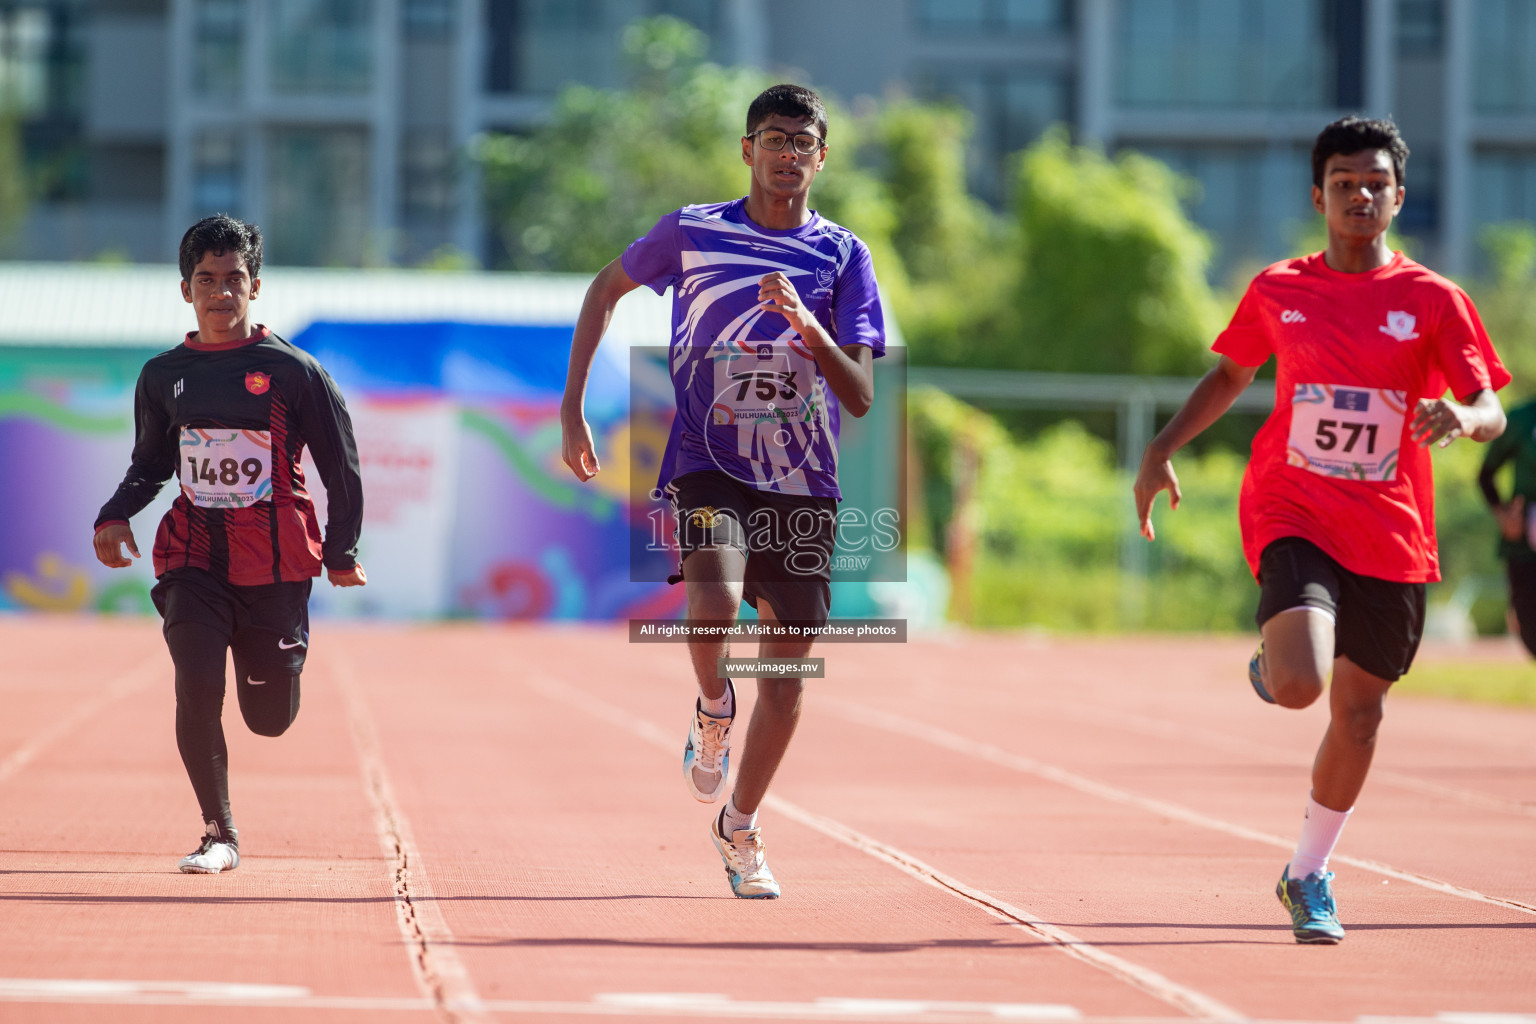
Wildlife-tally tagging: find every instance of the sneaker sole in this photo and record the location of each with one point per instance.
(1257, 682)
(1317, 940)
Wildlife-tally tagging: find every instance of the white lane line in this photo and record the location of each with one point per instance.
(136, 678)
(1149, 725)
(439, 972)
(938, 737)
(1180, 997)
(112, 989)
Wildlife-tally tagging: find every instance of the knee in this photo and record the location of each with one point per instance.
(781, 696)
(1294, 688)
(1359, 723)
(269, 708)
(713, 600)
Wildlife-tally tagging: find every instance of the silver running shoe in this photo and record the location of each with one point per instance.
(707, 754)
(746, 862)
(217, 853)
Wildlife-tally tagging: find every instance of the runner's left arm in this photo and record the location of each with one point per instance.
(326, 427)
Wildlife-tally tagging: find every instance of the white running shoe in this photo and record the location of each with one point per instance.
(746, 862)
(214, 855)
(707, 754)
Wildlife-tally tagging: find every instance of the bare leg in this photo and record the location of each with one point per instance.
(713, 577)
(1298, 650)
(1355, 703)
(774, 719)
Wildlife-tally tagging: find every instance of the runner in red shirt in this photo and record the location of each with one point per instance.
(1338, 504)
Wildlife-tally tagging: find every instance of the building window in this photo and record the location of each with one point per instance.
(427, 174)
(321, 46)
(978, 16)
(422, 18)
(1254, 201)
(1236, 53)
(317, 196)
(1504, 34)
(24, 45)
(1503, 186)
(1420, 27)
(1009, 110)
(216, 178)
(217, 57)
(537, 46)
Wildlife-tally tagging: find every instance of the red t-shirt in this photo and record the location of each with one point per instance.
(1334, 463)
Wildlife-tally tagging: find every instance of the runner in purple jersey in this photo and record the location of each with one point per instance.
(776, 322)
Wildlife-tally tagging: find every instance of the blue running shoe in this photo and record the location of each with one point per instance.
(1256, 678)
(1314, 917)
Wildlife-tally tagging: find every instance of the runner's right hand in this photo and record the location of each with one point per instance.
(1511, 518)
(109, 541)
(576, 448)
(1156, 474)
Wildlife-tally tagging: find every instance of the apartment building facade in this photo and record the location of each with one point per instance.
(343, 126)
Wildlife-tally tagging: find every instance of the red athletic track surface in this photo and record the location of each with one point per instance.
(480, 823)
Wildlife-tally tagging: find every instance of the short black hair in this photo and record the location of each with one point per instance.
(788, 101)
(220, 234)
(1354, 133)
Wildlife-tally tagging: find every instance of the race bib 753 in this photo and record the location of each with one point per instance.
(226, 468)
(1344, 431)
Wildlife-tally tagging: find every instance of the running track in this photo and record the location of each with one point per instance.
(476, 823)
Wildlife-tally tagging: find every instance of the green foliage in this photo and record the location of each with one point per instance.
(1506, 300)
(1053, 513)
(574, 192)
(1112, 273)
(14, 198)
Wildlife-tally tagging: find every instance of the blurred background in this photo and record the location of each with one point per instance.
(1064, 199)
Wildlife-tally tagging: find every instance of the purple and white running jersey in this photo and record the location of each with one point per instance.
(751, 401)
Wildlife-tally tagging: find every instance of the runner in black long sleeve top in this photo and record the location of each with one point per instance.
(230, 422)
(228, 413)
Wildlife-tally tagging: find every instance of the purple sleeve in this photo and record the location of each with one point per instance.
(653, 259)
(857, 317)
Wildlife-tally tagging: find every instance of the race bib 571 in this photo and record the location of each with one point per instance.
(1345, 431)
(226, 468)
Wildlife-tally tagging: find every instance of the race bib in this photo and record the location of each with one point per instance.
(1346, 431)
(224, 468)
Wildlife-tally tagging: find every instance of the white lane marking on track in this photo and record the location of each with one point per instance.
(25, 754)
(1181, 997)
(913, 729)
(103, 988)
(1149, 725)
(710, 1004)
(439, 972)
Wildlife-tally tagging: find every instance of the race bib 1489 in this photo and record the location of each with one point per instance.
(1344, 431)
(225, 468)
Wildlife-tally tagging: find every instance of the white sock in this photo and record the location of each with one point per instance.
(722, 707)
(1319, 834)
(732, 820)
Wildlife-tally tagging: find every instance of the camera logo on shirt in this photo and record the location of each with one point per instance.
(1400, 325)
(1292, 316)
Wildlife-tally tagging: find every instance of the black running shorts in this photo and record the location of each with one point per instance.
(788, 540)
(267, 626)
(1377, 623)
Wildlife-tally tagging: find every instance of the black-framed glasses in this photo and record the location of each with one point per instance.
(771, 138)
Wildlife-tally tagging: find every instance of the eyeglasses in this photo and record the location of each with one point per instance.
(771, 138)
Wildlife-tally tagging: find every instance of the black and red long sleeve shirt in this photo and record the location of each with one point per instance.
(229, 422)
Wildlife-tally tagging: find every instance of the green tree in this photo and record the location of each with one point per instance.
(13, 178)
(573, 193)
(1111, 272)
(1506, 300)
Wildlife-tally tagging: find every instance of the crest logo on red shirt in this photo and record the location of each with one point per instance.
(257, 382)
(1400, 325)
